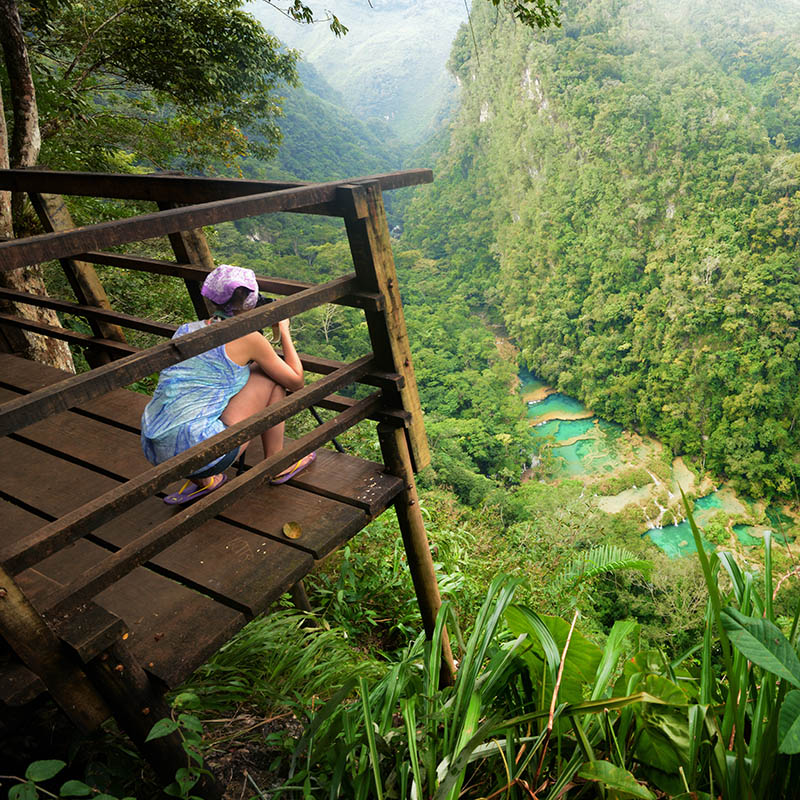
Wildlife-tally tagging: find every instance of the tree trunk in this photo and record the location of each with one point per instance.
(24, 151)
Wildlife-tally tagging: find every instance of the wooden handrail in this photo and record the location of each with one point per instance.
(167, 533)
(78, 388)
(196, 272)
(52, 537)
(35, 249)
(173, 188)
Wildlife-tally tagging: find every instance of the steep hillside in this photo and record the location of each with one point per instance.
(390, 65)
(626, 190)
(323, 141)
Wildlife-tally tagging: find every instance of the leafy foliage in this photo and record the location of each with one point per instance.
(628, 194)
(156, 82)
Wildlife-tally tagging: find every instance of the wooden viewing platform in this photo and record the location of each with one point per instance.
(108, 596)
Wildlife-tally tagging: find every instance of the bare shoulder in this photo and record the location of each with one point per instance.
(250, 347)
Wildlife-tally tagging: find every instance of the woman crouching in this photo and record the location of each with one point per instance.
(202, 396)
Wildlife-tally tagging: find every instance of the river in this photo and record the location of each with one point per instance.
(628, 472)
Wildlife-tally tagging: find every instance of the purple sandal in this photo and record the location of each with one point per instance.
(190, 492)
(290, 472)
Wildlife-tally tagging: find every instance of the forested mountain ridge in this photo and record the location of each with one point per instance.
(626, 190)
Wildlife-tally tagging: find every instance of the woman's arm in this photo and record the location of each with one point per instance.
(287, 371)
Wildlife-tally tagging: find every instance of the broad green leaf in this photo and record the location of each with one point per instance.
(761, 642)
(663, 740)
(44, 770)
(615, 778)
(164, 727)
(789, 724)
(611, 653)
(75, 789)
(583, 656)
(23, 791)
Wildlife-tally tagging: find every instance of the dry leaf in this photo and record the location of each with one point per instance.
(292, 530)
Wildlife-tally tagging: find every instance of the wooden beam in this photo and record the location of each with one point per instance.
(50, 538)
(397, 458)
(167, 533)
(35, 249)
(55, 216)
(92, 343)
(137, 705)
(78, 388)
(40, 650)
(371, 248)
(320, 366)
(191, 246)
(282, 286)
(172, 188)
(90, 312)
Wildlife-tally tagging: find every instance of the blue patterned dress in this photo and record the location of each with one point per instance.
(190, 397)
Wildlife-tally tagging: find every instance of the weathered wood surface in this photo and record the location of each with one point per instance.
(90, 312)
(119, 349)
(223, 571)
(35, 249)
(397, 458)
(59, 397)
(371, 248)
(116, 500)
(191, 246)
(55, 216)
(40, 650)
(190, 271)
(174, 188)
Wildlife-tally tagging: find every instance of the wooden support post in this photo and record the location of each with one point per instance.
(55, 216)
(137, 705)
(40, 650)
(300, 597)
(191, 246)
(371, 248)
(415, 540)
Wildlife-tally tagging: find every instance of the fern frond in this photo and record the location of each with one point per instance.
(600, 560)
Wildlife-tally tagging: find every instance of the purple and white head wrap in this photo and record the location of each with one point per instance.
(221, 283)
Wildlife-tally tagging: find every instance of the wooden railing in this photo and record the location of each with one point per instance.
(371, 287)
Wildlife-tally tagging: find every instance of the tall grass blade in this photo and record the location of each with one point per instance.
(373, 748)
(611, 653)
(768, 576)
(410, 720)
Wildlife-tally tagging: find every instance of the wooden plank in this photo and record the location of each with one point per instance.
(34, 249)
(37, 646)
(123, 408)
(78, 388)
(236, 567)
(283, 286)
(162, 536)
(90, 312)
(174, 188)
(109, 505)
(347, 479)
(119, 349)
(163, 619)
(324, 523)
(95, 628)
(371, 249)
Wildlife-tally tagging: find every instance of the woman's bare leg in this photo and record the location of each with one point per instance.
(258, 393)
